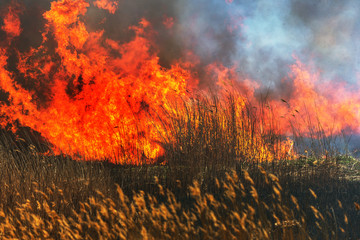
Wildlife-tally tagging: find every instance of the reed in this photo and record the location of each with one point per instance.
(222, 176)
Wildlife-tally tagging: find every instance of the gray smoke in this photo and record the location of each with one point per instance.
(260, 36)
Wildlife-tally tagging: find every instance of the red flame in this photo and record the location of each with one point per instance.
(12, 22)
(314, 103)
(109, 5)
(100, 105)
(105, 98)
(168, 22)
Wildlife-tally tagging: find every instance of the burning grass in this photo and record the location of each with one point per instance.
(221, 177)
(231, 165)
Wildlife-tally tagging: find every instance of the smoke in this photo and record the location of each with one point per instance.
(260, 37)
(268, 34)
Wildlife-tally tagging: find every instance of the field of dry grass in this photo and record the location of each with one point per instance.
(221, 177)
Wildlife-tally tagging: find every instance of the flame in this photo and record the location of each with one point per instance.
(99, 106)
(109, 5)
(99, 98)
(317, 106)
(257, 124)
(12, 25)
(168, 22)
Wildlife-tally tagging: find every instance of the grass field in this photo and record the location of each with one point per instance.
(221, 177)
(179, 120)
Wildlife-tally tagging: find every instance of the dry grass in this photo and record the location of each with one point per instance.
(225, 177)
(236, 211)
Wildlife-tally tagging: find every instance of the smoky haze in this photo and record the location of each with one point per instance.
(268, 34)
(260, 37)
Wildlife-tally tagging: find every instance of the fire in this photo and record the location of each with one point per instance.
(168, 22)
(111, 6)
(12, 24)
(104, 99)
(316, 106)
(99, 106)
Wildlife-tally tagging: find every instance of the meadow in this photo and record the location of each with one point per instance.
(222, 176)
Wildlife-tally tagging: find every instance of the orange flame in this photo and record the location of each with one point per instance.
(317, 106)
(105, 98)
(109, 5)
(12, 24)
(100, 105)
(314, 106)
